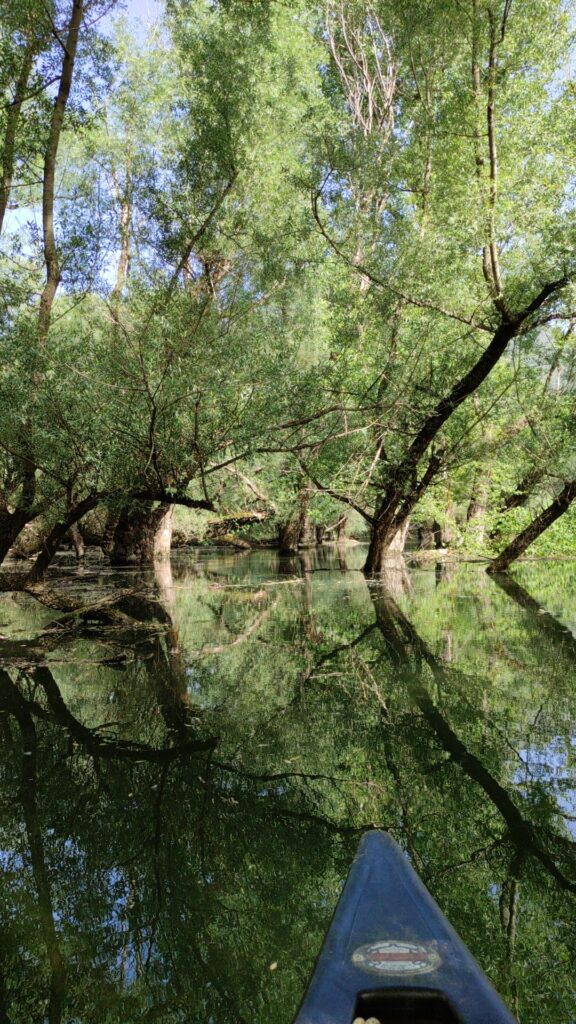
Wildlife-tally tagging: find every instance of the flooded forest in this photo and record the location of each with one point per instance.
(287, 493)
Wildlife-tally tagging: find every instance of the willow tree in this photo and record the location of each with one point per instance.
(47, 96)
(466, 242)
(178, 315)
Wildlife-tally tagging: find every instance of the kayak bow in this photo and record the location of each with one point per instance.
(391, 956)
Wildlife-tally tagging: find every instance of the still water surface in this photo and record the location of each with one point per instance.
(187, 767)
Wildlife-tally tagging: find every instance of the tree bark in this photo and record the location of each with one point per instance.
(398, 542)
(535, 529)
(142, 535)
(383, 545)
(341, 527)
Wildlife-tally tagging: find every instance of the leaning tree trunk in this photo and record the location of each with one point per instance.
(535, 529)
(142, 535)
(11, 526)
(405, 490)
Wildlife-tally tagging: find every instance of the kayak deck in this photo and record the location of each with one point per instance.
(391, 957)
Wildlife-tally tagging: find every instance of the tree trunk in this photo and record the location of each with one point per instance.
(77, 541)
(405, 490)
(11, 526)
(535, 529)
(476, 511)
(426, 538)
(382, 546)
(432, 536)
(308, 534)
(398, 541)
(291, 533)
(49, 176)
(341, 528)
(57, 534)
(289, 536)
(142, 535)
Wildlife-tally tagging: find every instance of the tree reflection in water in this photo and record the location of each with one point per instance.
(184, 782)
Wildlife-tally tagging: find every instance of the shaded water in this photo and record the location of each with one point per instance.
(185, 774)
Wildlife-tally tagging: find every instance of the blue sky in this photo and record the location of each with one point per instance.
(140, 12)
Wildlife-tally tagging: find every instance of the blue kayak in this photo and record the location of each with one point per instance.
(390, 955)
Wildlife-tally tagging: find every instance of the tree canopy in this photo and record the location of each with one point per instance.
(292, 262)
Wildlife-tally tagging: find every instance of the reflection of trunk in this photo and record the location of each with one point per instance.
(170, 682)
(142, 535)
(394, 575)
(36, 847)
(535, 529)
(342, 560)
(509, 908)
(408, 650)
(4, 1018)
(543, 620)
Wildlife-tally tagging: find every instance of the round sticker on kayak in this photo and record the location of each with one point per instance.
(396, 957)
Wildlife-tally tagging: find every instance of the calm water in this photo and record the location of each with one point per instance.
(186, 770)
